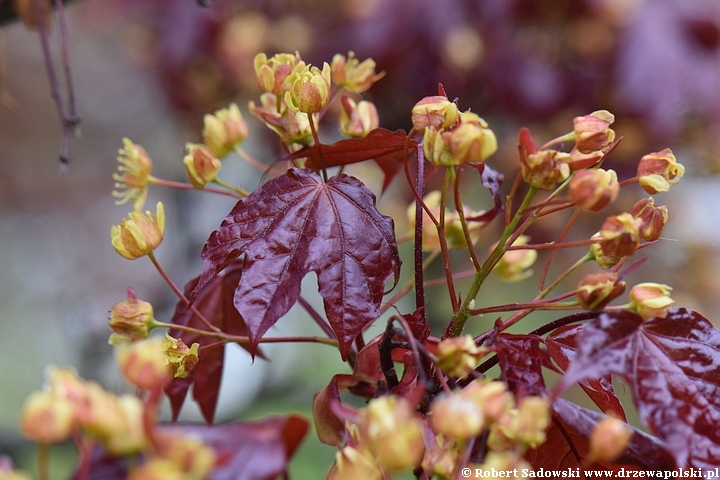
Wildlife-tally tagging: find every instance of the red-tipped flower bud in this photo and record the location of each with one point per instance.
(593, 190)
(651, 299)
(201, 165)
(598, 289)
(140, 235)
(545, 169)
(358, 119)
(653, 218)
(437, 111)
(130, 320)
(592, 132)
(621, 235)
(659, 171)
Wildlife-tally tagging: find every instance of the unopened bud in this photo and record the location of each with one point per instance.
(354, 464)
(515, 265)
(651, 299)
(358, 119)
(592, 131)
(201, 165)
(130, 320)
(457, 417)
(472, 141)
(609, 439)
(545, 169)
(603, 260)
(653, 218)
(532, 421)
(223, 130)
(436, 147)
(593, 190)
(492, 397)
(46, 418)
(659, 171)
(437, 112)
(458, 356)
(596, 290)
(621, 235)
(144, 364)
(580, 161)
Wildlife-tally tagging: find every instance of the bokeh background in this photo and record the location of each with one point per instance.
(150, 69)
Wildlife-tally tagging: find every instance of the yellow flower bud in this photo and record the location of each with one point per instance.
(659, 171)
(609, 439)
(308, 91)
(189, 454)
(200, 165)
(354, 464)
(436, 111)
(134, 174)
(181, 358)
(47, 418)
(144, 364)
(593, 190)
(532, 421)
(130, 320)
(471, 141)
(272, 73)
(651, 299)
(592, 131)
(492, 397)
(358, 119)
(223, 130)
(352, 74)
(457, 417)
(458, 356)
(515, 265)
(140, 235)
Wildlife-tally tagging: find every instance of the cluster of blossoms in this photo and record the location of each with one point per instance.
(125, 425)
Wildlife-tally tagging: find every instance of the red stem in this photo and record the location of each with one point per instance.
(553, 252)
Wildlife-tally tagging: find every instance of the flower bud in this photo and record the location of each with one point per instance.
(532, 421)
(592, 132)
(603, 260)
(189, 454)
(392, 431)
(272, 73)
(291, 127)
(621, 235)
(46, 418)
(471, 142)
(596, 290)
(223, 130)
(144, 364)
(130, 320)
(580, 161)
(593, 190)
(545, 169)
(140, 235)
(492, 397)
(308, 91)
(358, 119)
(653, 218)
(437, 112)
(354, 464)
(650, 299)
(609, 439)
(181, 358)
(458, 356)
(659, 171)
(515, 265)
(352, 74)
(134, 174)
(200, 165)
(436, 148)
(457, 417)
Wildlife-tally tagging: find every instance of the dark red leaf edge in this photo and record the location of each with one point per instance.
(561, 347)
(215, 302)
(245, 450)
(295, 224)
(386, 148)
(521, 360)
(673, 367)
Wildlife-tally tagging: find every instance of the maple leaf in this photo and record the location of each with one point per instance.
(296, 224)
(385, 147)
(521, 361)
(673, 367)
(215, 302)
(561, 347)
